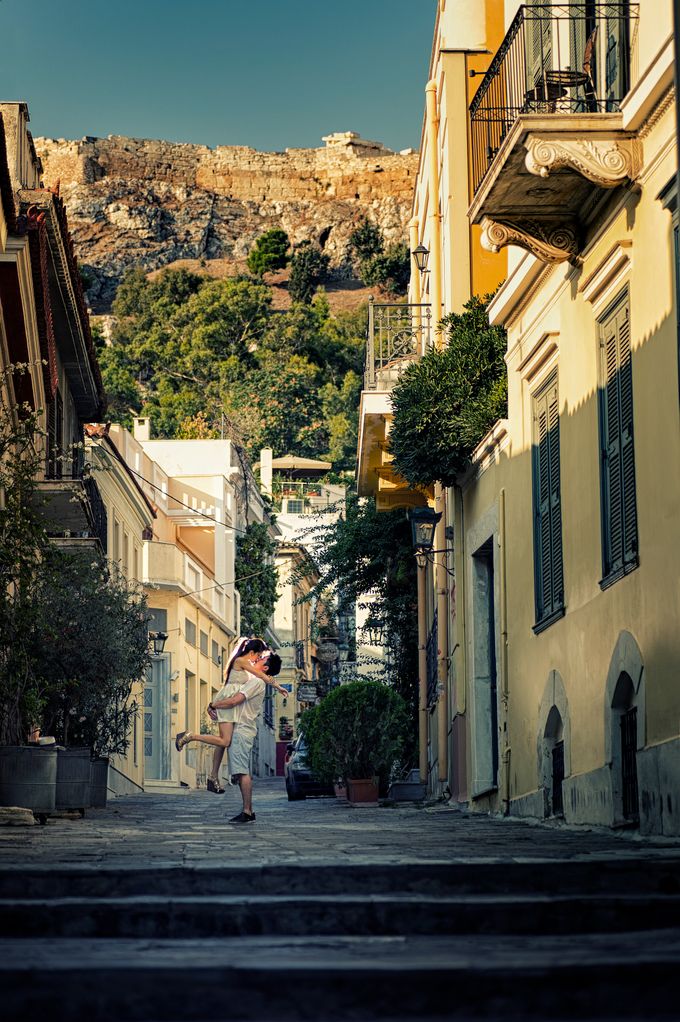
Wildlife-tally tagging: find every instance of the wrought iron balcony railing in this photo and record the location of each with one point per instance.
(556, 58)
(397, 335)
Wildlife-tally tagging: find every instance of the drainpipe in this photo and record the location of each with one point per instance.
(439, 492)
(415, 295)
(421, 561)
(433, 211)
(505, 688)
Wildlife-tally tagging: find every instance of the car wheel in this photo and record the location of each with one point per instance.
(294, 795)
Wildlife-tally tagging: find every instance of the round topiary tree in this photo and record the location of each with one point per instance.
(359, 730)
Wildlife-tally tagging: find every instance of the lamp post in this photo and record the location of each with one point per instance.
(157, 639)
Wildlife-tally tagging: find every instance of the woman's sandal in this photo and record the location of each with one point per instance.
(214, 786)
(181, 739)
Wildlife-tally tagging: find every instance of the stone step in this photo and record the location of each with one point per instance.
(221, 915)
(538, 876)
(601, 976)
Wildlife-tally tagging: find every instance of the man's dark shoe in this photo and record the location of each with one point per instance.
(243, 818)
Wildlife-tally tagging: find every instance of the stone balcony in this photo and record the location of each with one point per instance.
(548, 145)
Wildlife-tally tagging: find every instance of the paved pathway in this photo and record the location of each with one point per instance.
(157, 909)
(189, 828)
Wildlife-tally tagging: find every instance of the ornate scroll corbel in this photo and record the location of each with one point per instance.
(605, 162)
(553, 241)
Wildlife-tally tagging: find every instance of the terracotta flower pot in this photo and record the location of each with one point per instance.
(362, 791)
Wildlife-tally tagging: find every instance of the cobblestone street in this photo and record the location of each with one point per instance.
(189, 828)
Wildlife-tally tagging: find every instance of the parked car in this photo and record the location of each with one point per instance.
(300, 781)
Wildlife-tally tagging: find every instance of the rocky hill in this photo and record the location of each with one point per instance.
(140, 202)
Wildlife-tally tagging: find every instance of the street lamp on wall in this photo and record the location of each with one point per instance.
(423, 523)
(421, 256)
(158, 641)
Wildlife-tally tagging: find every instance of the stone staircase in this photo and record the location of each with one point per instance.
(521, 940)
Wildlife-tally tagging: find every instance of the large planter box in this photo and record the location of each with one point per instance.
(362, 792)
(28, 777)
(73, 779)
(99, 781)
(409, 790)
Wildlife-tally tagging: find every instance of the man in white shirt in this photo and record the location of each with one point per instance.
(248, 702)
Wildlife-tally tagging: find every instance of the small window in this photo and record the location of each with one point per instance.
(548, 562)
(617, 451)
(294, 507)
(215, 652)
(190, 631)
(203, 638)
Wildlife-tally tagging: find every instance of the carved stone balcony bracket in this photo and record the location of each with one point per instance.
(606, 162)
(552, 240)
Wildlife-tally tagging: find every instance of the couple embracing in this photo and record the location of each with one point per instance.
(236, 708)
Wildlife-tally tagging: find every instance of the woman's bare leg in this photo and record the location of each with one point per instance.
(222, 741)
(226, 731)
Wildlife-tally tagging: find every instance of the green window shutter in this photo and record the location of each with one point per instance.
(629, 503)
(619, 509)
(548, 560)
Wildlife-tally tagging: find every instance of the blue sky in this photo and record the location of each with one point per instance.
(264, 73)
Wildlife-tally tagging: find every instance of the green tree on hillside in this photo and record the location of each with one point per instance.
(366, 241)
(385, 267)
(270, 252)
(187, 349)
(308, 268)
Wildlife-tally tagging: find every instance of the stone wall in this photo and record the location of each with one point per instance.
(149, 203)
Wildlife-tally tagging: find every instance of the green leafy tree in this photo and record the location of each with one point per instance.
(90, 647)
(187, 348)
(366, 241)
(370, 551)
(445, 403)
(308, 269)
(23, 545)
(389, 270)
(270, 252)
(256, 577)
(377, 265)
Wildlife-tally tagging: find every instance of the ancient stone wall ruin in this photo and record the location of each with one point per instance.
(139, 202)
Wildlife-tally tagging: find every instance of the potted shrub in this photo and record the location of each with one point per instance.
(91, 647)
(356, 735)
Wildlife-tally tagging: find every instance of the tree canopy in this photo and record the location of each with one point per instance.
(446, 402)
(308, 268)
(270, 252)
(368, 553)
(387, 267)
(187, 348)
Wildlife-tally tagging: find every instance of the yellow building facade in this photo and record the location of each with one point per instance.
(562, 578)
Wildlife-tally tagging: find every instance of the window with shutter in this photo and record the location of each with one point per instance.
(548, 561)
(617, 450)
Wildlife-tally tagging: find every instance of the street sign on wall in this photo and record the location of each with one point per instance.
(306, 693)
